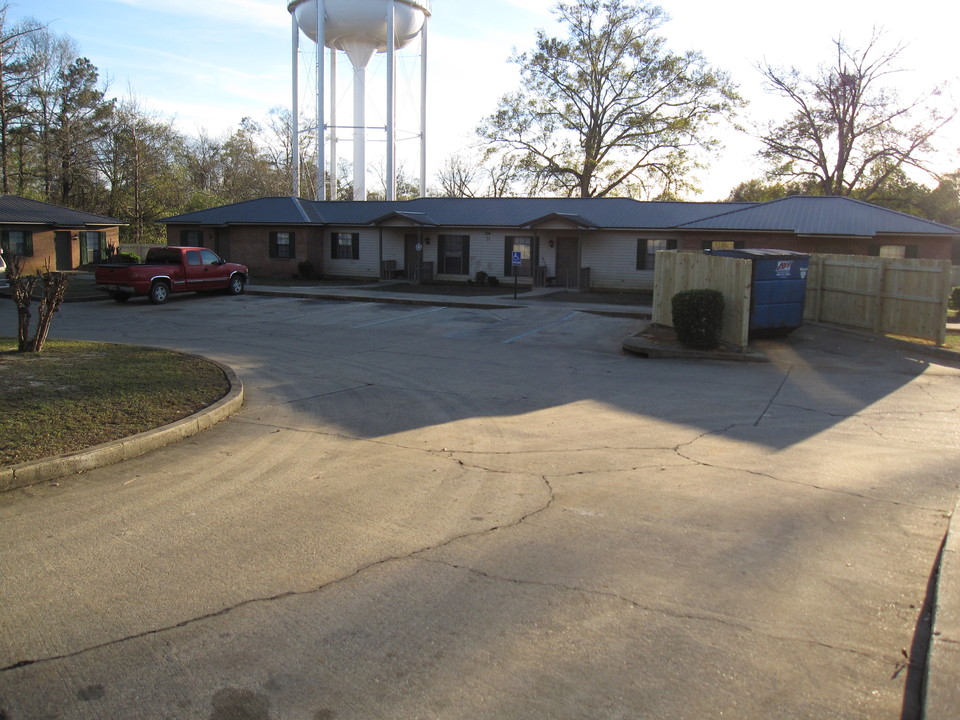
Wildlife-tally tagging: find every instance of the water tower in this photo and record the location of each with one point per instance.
(360, 28)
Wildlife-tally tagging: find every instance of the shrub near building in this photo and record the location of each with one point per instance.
(698, 318)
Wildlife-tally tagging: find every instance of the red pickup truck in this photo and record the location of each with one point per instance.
(172, 269)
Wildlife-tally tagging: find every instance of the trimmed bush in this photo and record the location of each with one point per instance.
(955, 298)
(127, 257)
(481, 277)
(698, 318)
(492, 281)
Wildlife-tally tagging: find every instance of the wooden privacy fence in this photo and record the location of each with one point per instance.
(884, 295)
(676, 271)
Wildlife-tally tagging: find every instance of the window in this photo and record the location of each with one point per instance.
(647, 251)
(345, 246)
(17, 242)
(723, 244)
(191, 238)
(282, 245)
(209, 257)
(193, 257)
(524, 246)
(93, 247)
(453, 254)
(894, 251)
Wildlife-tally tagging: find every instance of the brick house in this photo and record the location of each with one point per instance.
(602, 243)
(50, 236)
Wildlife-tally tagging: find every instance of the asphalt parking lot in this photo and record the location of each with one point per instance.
(442, 512)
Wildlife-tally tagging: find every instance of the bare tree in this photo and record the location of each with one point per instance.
(608, 110)
(459, 176)
(849, 132)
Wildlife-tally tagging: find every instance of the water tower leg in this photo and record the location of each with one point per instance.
(321, 159)
(423, 108)
(359, 133)
(295, 112)
(391, 179)
(333, 124)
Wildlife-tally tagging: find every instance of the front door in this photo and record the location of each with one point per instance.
(568, 262)
(63, 250)
(411, 257)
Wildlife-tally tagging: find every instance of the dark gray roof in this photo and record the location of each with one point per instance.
(16, 210)
(460, 212)
(795, 215)
(804, 215)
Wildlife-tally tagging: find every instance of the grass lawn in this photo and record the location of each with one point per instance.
(77, 394)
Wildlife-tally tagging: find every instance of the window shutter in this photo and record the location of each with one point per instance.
(355, 242)
(293, 245)
(273, 245)
(672, 244)
(739, 244)
(912, 252)
(873, 250)
(508, 257)
(465, 266)
(334, 241)
(641, 254)
(706, 244)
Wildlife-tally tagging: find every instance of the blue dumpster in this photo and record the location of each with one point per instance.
(778, 289)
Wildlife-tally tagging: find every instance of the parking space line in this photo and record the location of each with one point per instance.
(542, 327)
(399, 317)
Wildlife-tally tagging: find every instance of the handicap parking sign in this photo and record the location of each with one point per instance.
(516, 257)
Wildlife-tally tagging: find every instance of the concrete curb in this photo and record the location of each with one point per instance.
(108, 453)
(639, 345)
(941, 691)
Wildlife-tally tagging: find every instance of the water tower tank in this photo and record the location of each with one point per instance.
(359, 27)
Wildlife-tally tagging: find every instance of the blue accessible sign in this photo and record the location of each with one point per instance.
(516, 257)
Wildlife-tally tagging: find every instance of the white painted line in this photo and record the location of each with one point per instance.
(542, 327)
(399, 317)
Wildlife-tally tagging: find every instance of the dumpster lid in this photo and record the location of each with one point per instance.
(758, 253)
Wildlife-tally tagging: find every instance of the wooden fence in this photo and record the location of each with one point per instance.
(676, 271)
(884, 295)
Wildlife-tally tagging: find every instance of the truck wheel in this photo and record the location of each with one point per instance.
(121, 297)
(159, 292)
(236, 285)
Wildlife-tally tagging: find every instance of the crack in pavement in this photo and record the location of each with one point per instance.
(289, 593)
(786, 481)
(660, 609)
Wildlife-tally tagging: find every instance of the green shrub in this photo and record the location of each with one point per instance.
(955, 298)
(127, 257)
(480, 277)
(492, 281)
(698, 318)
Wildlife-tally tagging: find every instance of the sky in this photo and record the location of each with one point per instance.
(209, 63)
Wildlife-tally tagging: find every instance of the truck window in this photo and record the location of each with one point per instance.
(163, 256)
(209, 257)
(193, 257)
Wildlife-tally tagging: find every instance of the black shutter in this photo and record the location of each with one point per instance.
(355, 242)
(273, 245)
(873, 250)
(641, 254)
(28, 244)
(912, 252)
(293, 245)
(672, 244)
(183, 237)
(706, 244)
(334, 242)
(465, 266)
(508, 257)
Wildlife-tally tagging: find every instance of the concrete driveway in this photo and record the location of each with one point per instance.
(438, 512)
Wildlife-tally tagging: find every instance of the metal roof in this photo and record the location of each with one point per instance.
(799, 215)
(460, 212)
(16, 210)
(803, 215)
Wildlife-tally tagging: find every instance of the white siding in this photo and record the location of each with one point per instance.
(612, 259)
(369, 263)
